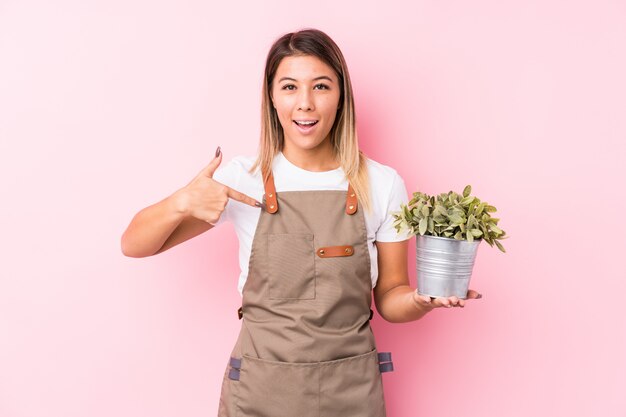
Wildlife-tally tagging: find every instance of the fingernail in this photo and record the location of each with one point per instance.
(260, 205)
(217, 152)
(479, 296)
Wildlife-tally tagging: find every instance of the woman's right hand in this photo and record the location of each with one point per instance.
(205, 199)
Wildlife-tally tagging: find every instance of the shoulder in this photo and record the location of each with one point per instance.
(388, 192)
(242, 162)
(382, 178)
(237, 163)
(232, 171)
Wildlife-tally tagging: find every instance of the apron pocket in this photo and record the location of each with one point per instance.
(352, 387)
(277, 389)
(291, 269)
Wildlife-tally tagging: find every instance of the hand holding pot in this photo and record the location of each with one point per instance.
(448, 302)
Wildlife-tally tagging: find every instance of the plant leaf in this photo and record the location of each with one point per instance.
(456, 219)
(423, 226)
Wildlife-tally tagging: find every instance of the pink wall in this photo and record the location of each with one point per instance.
(107, 107)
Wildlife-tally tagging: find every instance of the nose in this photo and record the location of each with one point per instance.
(305, 101)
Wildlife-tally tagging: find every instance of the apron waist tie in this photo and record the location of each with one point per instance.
(235, 366)
(384, 362)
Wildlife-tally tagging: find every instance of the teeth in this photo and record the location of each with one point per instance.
(306, 123)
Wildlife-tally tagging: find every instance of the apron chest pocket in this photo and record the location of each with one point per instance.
(291, 268)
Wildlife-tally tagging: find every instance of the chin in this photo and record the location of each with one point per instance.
(303, 143)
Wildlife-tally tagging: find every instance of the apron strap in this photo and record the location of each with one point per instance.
(269, 198)
(351, 201)
(271, 201)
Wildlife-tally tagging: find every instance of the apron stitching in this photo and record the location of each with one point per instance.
(361, 356)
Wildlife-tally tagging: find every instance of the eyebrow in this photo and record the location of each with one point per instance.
(314, 79)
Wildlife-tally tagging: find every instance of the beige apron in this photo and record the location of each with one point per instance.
(306, 348)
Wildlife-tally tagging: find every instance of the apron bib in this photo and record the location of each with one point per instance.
(306, 347)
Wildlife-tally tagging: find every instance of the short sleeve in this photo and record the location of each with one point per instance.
(397, 196)
(228, 175)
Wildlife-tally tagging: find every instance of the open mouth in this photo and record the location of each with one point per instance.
(305, 125)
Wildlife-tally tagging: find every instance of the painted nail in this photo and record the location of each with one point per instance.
(217, 152)
(479, 296)
(263, 206)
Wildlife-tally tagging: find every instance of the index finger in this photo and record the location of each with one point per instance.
(236, 195)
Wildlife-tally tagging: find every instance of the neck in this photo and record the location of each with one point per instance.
(317, 159)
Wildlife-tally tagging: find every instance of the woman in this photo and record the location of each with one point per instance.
(310, 253)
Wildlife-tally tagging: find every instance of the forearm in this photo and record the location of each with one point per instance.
(151, 227)
(399, 306)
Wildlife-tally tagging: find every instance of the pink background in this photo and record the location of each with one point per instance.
(107, 107)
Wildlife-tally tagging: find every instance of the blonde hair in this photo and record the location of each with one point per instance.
(343, 136)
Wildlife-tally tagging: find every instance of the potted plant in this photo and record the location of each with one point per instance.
(448, 229)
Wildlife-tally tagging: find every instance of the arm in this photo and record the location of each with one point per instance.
(393, 296)
(160, 227)
(395, 300)
(188, 212)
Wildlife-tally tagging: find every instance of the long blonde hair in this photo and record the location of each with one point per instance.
(343, 134)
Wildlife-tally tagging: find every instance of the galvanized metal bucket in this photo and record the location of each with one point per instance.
(444, 265)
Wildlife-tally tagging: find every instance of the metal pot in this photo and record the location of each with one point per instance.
(444, 265)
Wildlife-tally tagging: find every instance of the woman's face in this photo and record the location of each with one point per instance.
(305, 89)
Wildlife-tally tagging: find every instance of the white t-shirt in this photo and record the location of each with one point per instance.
(387, 192)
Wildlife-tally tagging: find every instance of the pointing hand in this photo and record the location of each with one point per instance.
(205, 199)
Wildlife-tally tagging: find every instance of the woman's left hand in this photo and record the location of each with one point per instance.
(448, 302)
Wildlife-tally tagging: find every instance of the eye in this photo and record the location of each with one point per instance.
(289, 86)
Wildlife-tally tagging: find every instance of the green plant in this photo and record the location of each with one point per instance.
(462, 217)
